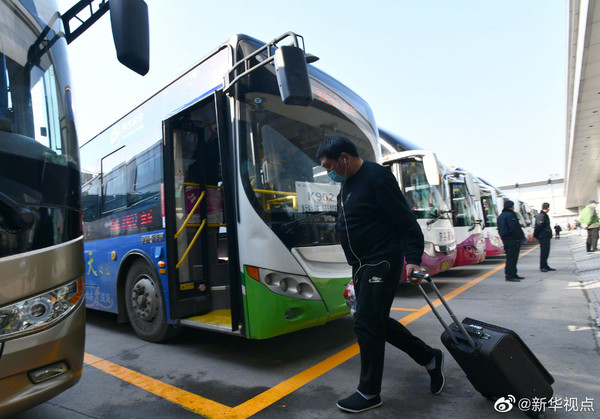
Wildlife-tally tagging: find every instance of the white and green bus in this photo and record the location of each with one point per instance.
(206, 207)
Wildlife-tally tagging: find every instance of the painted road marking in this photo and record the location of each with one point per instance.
(190, 401)
(212, 409)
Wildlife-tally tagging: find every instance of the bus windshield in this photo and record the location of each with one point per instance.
(424, 199)
(39, 169)
(462, 205)
(280, 171)
(489, 211)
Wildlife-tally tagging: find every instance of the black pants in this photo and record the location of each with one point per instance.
(544, 251)
(592, 239)
(375, 285)
(511, 247)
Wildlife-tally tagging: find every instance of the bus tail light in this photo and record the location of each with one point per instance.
(41, 311)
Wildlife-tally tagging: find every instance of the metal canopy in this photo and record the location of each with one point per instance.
(582, 166)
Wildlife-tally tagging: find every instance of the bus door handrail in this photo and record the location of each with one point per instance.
(288, 195)
(187, 251)
(189, 217)
(201, 226)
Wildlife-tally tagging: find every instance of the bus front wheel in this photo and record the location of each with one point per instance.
(145, 303)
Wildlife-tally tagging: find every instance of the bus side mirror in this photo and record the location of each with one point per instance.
(130, 28)
(430, 165)
(472, 187)
(292, 76)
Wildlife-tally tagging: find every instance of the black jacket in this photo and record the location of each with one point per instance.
(509, 227)
(542, 228)
(374, 220)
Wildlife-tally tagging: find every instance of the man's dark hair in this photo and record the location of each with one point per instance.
(333, 146)
(545, 205)
(508, 204)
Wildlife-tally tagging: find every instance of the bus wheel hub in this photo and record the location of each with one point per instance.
(144, 299)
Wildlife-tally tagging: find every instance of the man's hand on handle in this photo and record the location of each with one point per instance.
(410, 268)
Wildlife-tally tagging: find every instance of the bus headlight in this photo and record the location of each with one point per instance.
(480, 244)
(429, 249)
(495, 240)
(39, 312)
(289, 285)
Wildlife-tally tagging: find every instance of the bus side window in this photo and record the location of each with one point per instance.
(115, 190)
(114, 181)
(90, 199)
(146, 174)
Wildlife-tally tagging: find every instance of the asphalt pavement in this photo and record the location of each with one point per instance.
(302, 375)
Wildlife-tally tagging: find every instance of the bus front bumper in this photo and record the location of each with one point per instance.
(45, 351)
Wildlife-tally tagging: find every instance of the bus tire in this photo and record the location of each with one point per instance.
(145, 304)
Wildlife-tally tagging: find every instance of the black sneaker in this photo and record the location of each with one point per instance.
(437, 374)
(519, 277)
(548, 268)
(357, 403)
(544, 270)
(512, 279)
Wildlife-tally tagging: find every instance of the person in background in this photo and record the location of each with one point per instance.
(578, 227)
(512, 236)
(557, 230)
(589, 218)
(377, 230)
(543, 232)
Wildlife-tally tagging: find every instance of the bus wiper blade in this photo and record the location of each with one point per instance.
(474, 225)
(438, 216)
(16, 217)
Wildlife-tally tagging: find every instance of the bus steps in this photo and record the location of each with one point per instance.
(218, 320)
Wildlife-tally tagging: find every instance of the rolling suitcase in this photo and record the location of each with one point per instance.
(496, 360)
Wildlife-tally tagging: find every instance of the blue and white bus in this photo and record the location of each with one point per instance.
(205, 206)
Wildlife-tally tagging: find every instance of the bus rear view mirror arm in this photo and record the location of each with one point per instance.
(15, 216)
(291, 69)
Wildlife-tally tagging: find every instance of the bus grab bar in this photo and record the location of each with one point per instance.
(187, 220)
(191, 244)
(186, 223)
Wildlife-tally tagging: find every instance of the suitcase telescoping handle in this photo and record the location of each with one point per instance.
(426, 277)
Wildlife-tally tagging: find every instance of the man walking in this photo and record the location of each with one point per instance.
(557, 230)
(512, 236)
(543, 232)
(377, 230)
(589, 217)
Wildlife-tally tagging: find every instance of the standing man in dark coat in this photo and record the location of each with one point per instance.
(512, 236)
(377, 230)
(543, 232)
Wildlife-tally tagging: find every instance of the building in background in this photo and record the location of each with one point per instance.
(549, 190)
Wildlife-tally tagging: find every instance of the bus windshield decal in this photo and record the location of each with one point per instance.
(316, 197)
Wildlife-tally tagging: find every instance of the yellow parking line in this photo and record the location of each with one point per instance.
(191, 401)
(212, 409)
